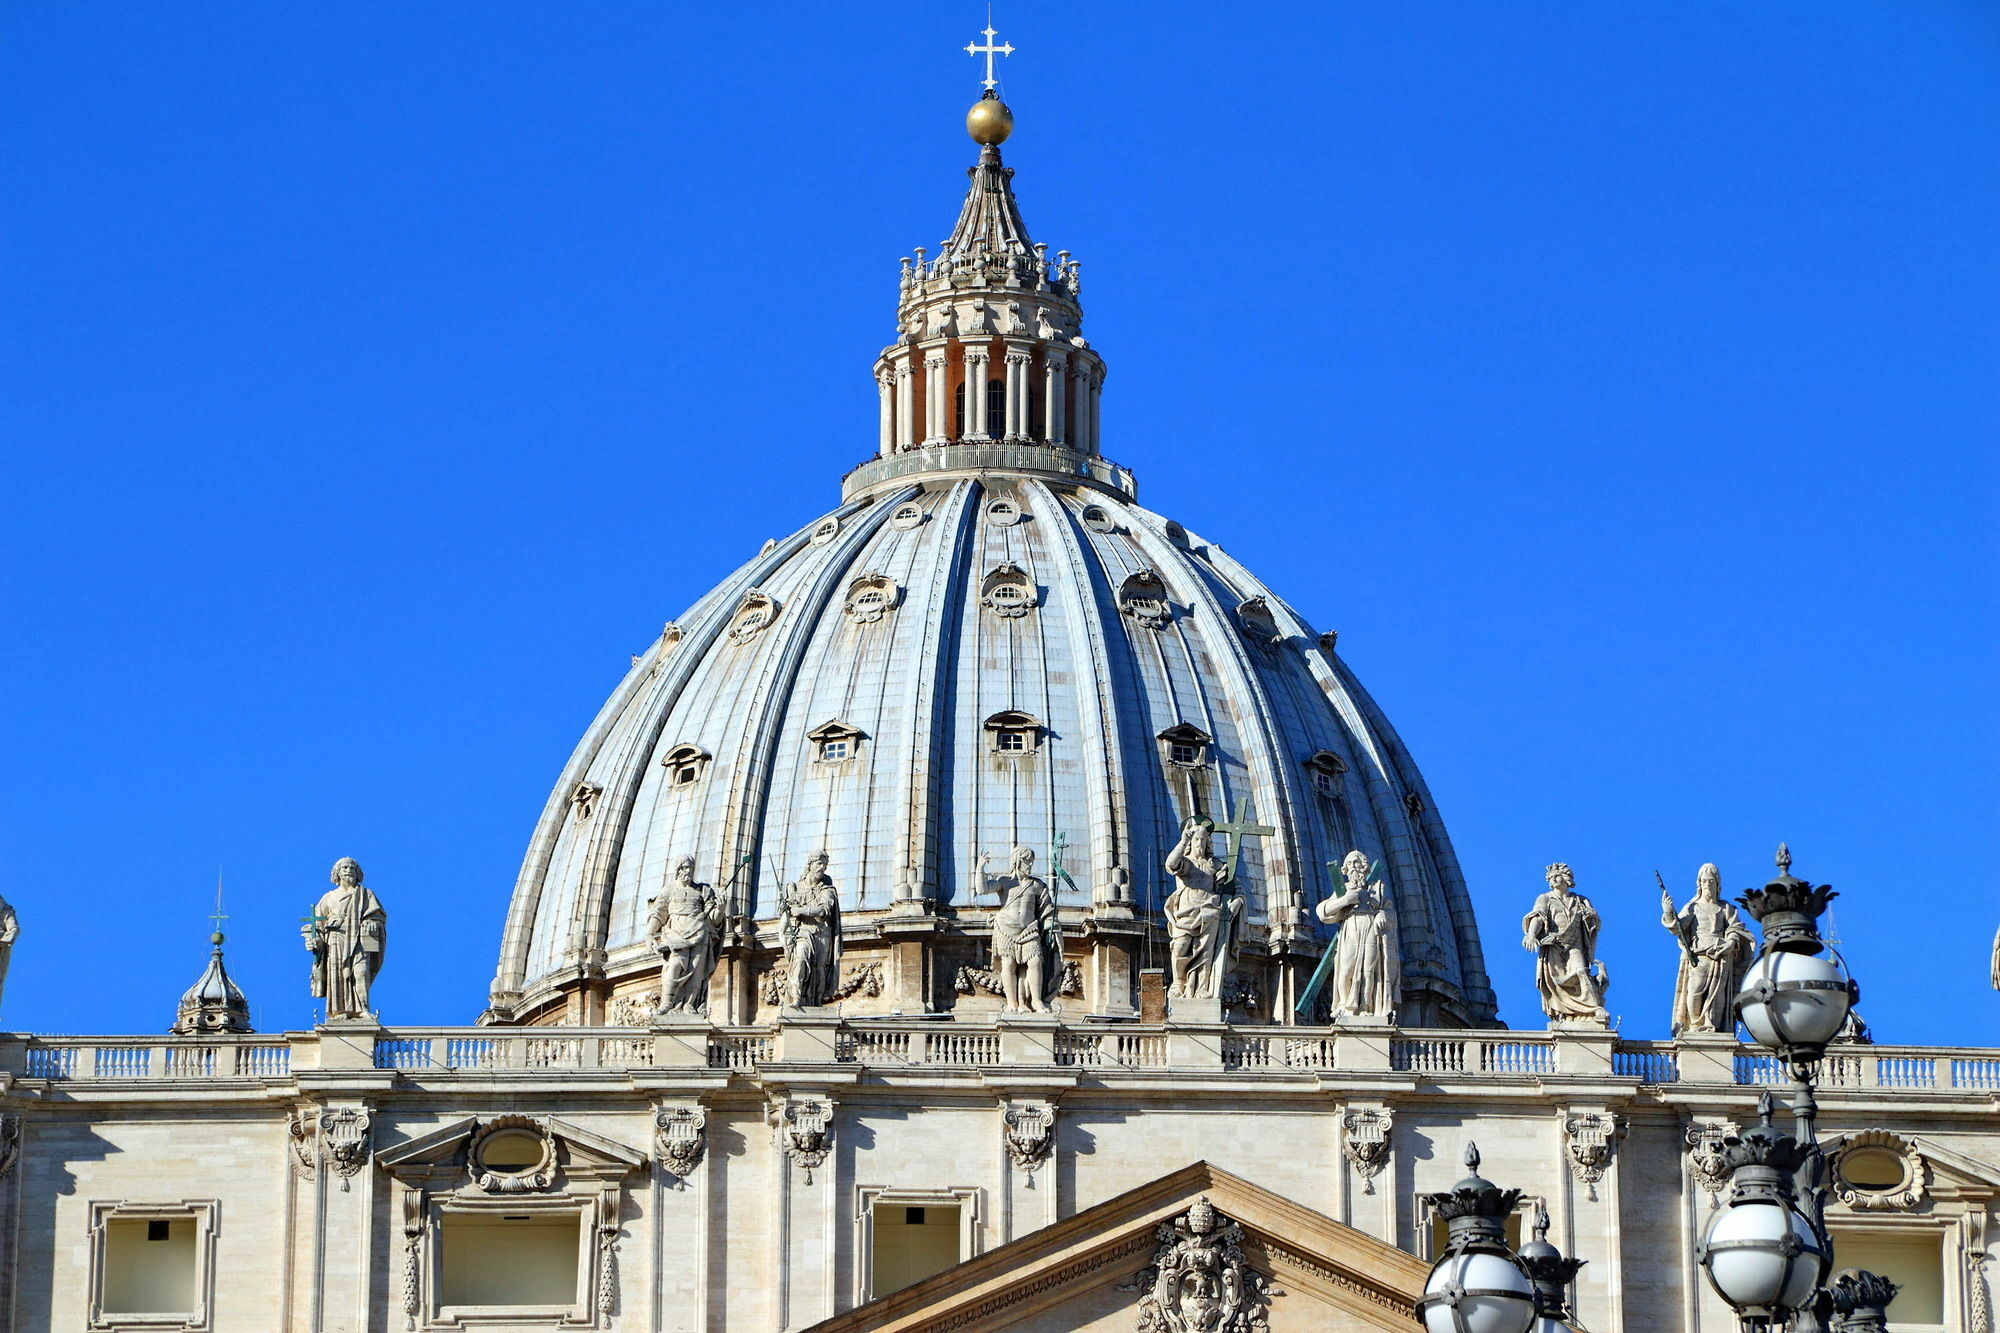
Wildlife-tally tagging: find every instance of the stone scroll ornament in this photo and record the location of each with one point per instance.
(805, 1133)
(680, 1139)
(1588, 1140)
(10, 1143)
(343, 1140)
(1707, 1166)
(1364, 1140)
(346, 934)
(1561, 931)
(1199, 1280)
(1031, 1136)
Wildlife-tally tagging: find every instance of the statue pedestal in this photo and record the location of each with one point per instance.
(1028, 1039)
(1184, 1010)
(1706, 1057)
(911, 933)
(680, 1040)
(809, 1034)
(1360, 1043)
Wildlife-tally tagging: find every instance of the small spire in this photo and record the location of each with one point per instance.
(1784, 859)
(1471, 1157)
(214, 1003)
(1540, 1230)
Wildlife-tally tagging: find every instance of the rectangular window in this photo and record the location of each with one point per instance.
(517, 1261)
(150, 1266)
(911, 1244)
(833, 751)
(686, 774)
(1013, 741)
(1913, 1260)
(1183, 754)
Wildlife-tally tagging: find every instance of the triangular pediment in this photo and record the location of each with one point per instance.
(1091, 1271)
(454, 1150)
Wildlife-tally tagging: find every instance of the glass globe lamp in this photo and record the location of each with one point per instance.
(1477, 1285)
(1795, 1001)
(1764, 1258)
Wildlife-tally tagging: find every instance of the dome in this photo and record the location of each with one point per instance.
(988, 644)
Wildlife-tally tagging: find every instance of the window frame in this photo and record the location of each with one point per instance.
(579, 1313)
(966, 1198)
(686, 755)
(1016, 724)
(204, 1213)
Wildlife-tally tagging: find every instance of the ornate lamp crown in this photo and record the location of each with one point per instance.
(1547, 1268)
(1764, 1146)
(1475, 1208)
(1789, 908)
(1856, 1290)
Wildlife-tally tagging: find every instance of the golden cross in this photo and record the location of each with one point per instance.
(990, 50)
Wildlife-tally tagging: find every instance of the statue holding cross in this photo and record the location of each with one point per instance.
(1204, 915)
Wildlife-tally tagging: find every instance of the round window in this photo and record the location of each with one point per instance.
(1003, 512)
(1097, 518)
(826, 531)
(906, 516)
(1872, 1169)
(511, 1152)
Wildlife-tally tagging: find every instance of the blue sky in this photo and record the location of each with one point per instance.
(1618, 380)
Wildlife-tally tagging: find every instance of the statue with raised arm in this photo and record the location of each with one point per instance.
(10, 930)
(1561, 931)
(810, 923)
(685, 929)
(1367, 966)
(345, 935)
(1715, 952)
(1202, 918)
(1027, 940)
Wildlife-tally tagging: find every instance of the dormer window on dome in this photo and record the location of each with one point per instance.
(1014, 733)
(1324, 769)
(1185, 745)
(871, 597)
(754, 615)
(1008, 592)
(835, 742)
(685, 765)
(1143, 598)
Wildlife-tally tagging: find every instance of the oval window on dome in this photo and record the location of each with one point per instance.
(754, 615)
(827, 530)
(1008, 592)
(906, 516)
(1003, 513)
(1098, 519)
(871, 597)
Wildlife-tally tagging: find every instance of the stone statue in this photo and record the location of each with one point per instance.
(1027, 941)
(1996, 958)
(1715, 952)
(1562, 932)
(1367, 966)
(810, 922)
(685, 929)
(10, 930)
(1202, 919)
(345, 935)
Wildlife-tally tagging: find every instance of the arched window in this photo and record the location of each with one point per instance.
(1014, 733)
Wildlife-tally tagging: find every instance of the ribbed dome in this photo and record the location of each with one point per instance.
(988, 644)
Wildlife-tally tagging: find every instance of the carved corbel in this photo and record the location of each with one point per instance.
(805, 1131)
(302, 1142)
(10, 1143)
(608, 1232)
(414, 1214)
(1364, 1140)
(1030, 1129)
(1588, 1140)
(680, 1139)
(343, 1140)
(1707, 1167)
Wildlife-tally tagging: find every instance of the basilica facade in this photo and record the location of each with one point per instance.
(987, 902)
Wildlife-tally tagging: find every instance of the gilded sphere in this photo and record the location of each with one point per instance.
(989, 121)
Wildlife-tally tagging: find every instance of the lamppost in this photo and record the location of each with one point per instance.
(1479, 1285)
(1767, 1251)
(1551, 1273)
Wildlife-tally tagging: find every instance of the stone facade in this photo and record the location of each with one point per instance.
(322, 1162)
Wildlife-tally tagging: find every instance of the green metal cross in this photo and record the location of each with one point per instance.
(1056, 869)
(1239, 829)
